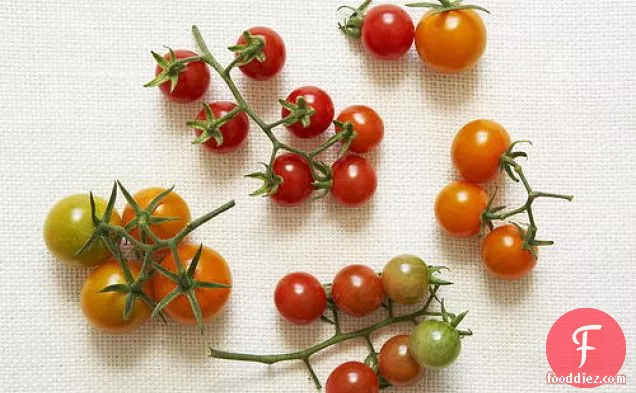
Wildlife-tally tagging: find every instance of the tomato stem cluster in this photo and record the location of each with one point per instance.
(150, 247)
(340, 336)
(299, 112)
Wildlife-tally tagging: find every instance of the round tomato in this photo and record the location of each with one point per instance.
(503, 256)
(405, 279)
(211, 268)
(435, 344)
(367, 124)
(450, 41)
(68, 227)
(234, 131)
(357, 290)
(387, 32)
(274, 51)
(317, 99)
(193, 82)
(353, 377)
(297, 180)
(354, 180)
(459, 207)
(170, 206)
(106, 310)
(396, 365)
(300, 298)
(477, 148)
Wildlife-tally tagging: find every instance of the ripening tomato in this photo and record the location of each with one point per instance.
(317, 99)
(387, 32)
(300, 298)
(477, 148)
(68, 227)
(193, 81)
(354, 180)
(357, 290)
(450, 41)
(405, 279)
(274, 52)
(367, 124)
(459, 207)
(171, 206)
(234, 131)
(435, 344)
(503, 256)
(211, 268)
(396, 364)
(297, 180)
(353, 377)
(106, 310)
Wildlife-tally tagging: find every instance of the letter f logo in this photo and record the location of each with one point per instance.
(584, 347)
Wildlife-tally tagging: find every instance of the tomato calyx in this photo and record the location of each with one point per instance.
(448, 5)
(211, 126)
(300, 111)
(270, 180)
(252, 49)
(352, 24)
(349, 134)
(170, 69)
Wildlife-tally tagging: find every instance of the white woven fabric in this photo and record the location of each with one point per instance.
(75, 117)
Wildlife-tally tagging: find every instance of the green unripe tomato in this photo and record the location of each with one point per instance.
(405, 279)
(435, 344)
(69, 225)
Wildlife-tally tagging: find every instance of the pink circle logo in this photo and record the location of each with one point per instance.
(585, 348)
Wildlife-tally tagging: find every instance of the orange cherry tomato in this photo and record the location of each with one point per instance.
(477, 148)
(105, 311)
(503, 256)
(451, 41)
(170, 206)
(458, 208)
(211, 268)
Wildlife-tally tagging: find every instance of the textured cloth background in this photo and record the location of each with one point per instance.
(75, 117)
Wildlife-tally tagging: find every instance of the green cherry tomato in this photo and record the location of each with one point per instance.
(405, 279)
(435, 344)
(69, 225)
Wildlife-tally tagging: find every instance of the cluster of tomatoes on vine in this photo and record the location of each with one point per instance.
(292, 177)
(142, 263)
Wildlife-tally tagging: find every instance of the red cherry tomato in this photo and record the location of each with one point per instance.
(234, 131)
(300, 298)
(297, 180)
(193, 81)
(320, 101)
(274, 51)
(357, 290)
(459, 207)
(387, 32)
(503, 256)
(396, 365)
(354, 180)
(367, 124)
(353, 377)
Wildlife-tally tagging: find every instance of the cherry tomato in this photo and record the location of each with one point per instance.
(477, 148)
(320, 101)
(396, 365)
(503, 256)
(106, 310)
(234, 131)
(193, 81)
(211, 268)
(274, 51)
(367, 124)
(354, 180)
(68, 227)
(405, 279)
(357, 290)
(435, 344)
(300, 298)
(451, 41)
(387, 32)
(297, 180)
(171, 206)
(352, 377)
(458, 208)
